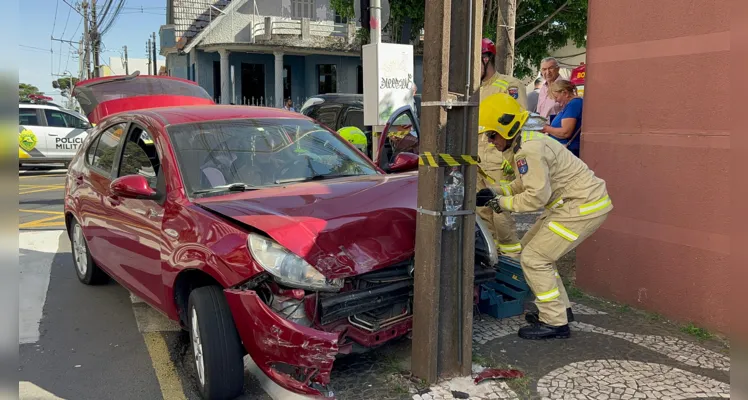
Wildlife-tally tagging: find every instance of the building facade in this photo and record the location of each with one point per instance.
(261, 52)
(664, 153)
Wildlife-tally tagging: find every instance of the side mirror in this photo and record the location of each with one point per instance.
(132, 187)
(404, 162)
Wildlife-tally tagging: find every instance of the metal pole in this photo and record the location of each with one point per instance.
(127, 67)
(375, 33)
(96, 42)
(86, 41)
(148, 49)
(155, 64)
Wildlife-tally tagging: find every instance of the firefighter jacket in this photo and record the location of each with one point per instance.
(491, 159)
(550, 176)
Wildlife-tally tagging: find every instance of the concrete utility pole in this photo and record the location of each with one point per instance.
(127, 67)
(95, 39)
(86, 41)
(375, 36)
(148, 50)
(155, 64)
(444, 270)
(505, 29)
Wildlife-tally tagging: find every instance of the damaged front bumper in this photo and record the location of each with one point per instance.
(296, 357)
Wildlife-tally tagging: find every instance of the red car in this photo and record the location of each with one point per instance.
(256, 229)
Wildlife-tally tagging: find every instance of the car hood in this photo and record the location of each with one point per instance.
(343, 227)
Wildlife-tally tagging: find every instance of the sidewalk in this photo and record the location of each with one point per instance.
(615, 352)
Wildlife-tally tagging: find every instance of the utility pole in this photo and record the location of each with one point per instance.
(375, 36)
(505, 29)
(445, 259)
(95, 39)
(155, 64)
(86, 40)
(127, 67)
(148, 50)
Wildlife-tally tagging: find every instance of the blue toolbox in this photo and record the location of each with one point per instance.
(504, 296)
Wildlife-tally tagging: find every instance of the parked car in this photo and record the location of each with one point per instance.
(340, 110)
(258, 230)
(48, 133)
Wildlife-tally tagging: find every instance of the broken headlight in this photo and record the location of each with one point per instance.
(288, 268)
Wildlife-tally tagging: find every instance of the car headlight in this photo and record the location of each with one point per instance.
(288, 268)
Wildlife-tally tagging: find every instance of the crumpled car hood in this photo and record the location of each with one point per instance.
(343, 227)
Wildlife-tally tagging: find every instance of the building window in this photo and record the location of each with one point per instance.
(328, 78)
(286, 82)
(302, 8)
(360, 79)
(340, 20)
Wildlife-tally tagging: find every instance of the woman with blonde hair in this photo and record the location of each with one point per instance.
(566, 127)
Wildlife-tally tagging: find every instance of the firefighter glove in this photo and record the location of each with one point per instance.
(495, 204)
(483, 197)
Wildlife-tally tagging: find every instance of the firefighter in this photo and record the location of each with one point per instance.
(502, 225)
(549, 176)
(356, 136)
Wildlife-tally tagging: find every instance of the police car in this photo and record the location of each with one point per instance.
(48, 134)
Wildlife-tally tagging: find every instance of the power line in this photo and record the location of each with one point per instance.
(54, 23)
(34, 48)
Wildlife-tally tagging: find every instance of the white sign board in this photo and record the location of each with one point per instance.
(388, 80)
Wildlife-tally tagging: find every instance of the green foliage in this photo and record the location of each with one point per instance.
(344, 8)
(63, 83)
(25, 90)
(699, 333)
(568, 25)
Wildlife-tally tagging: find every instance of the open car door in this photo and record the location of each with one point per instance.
(400, 135)
(101, 97)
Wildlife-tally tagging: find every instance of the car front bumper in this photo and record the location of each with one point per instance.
(281, 348)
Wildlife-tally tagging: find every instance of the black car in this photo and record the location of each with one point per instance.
(339, 110)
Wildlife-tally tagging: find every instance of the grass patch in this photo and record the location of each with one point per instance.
(697, 332)
(481, 360)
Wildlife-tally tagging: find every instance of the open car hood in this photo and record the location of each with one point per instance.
(343, 227)
(101, 97)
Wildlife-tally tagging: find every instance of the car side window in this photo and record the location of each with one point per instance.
(78, 123)
(28, 116)
(140, 157)
(106, 148)
(58, 119)
(328, 115)
(354, 117)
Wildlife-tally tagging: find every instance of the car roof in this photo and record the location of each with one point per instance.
(34, 105)
(213, 112)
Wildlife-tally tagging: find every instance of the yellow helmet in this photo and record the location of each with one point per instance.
(502, 114)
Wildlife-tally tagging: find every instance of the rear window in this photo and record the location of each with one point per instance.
(28, 116)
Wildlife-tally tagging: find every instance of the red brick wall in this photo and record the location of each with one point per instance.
(656, 128)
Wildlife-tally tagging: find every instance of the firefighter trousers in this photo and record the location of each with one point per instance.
(502, 227)
(542, 246)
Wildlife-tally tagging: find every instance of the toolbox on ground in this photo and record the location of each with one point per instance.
(504, 296)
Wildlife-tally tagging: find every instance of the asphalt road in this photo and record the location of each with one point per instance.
(92, 342)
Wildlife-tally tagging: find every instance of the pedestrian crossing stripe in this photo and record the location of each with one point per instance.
(441, 160)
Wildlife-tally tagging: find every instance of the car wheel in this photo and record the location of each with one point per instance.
(216, 346)
(85, 268)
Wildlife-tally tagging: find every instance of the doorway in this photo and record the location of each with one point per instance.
(253, 84)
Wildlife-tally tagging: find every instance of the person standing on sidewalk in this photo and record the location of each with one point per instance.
(532, 97)
(502, 225)
(548, 107)
(549, 176)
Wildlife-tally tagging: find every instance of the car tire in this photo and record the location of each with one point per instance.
(85, 268)
(216, 346)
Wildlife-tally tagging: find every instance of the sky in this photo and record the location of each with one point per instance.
(55, 18)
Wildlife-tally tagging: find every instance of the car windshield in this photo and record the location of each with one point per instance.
(214, 156)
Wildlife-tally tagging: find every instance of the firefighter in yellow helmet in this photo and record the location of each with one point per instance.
(502, 226)
(549, 176)
(356, 136)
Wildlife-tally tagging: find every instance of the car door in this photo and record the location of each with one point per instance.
(91, 187)
(65, 133)
(137, 234)
(401, 134)
(32, 134)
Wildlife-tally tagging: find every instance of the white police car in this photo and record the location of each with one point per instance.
(49, 134)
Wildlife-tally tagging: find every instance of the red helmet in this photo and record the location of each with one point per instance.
(487, 46)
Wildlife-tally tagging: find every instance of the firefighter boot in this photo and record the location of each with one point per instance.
(540, 330)
(532, 317)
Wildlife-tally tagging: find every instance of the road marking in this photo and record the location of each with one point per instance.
(166, 371)
(28, 176)
(44, 222)
(49, 189)
(37, 250)
(43, 212)
(28, 390)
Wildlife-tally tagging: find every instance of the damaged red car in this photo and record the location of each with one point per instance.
(258, 230)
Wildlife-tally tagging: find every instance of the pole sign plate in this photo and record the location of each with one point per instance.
(388, 80)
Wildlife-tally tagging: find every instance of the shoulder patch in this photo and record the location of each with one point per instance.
(513, 91)
(522, 166)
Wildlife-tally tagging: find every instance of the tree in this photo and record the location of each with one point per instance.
(63, 83)
(541, 25)
(25, 90)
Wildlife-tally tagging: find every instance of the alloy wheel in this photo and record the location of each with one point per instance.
(80, 251)
(197, 348)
